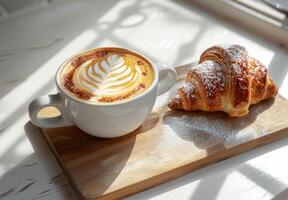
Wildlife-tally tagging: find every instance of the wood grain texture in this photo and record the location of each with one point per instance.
(168, 145)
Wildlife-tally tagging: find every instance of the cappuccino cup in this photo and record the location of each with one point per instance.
(106, 92)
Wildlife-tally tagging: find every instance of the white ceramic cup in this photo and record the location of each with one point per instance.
(103, 120)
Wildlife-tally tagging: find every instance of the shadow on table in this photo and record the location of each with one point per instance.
(37, 176)
(26, 181)
(92, 162)
(207, 129)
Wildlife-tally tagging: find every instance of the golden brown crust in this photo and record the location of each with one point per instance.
(212, 79)
(239, 75)
(258, 74)
(226, 79)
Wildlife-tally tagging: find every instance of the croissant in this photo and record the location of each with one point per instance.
(226, 79)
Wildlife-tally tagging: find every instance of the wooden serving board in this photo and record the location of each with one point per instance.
(168, 145)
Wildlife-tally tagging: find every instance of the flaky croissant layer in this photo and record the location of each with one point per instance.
(226, 79)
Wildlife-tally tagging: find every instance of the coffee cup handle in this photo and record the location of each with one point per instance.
(167, 78)
(44, 101)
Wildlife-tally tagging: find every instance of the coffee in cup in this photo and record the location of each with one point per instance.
(106, 75)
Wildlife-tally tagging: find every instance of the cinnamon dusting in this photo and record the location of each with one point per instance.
(69, 85)
(78, 60)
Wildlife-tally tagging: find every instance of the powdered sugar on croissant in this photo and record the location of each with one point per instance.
(226, 79)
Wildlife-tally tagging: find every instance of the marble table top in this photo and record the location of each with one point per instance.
(32, 46)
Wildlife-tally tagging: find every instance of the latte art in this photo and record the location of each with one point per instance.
(112, 77)
(107, 77)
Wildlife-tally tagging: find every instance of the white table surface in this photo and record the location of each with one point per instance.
(34, 44)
